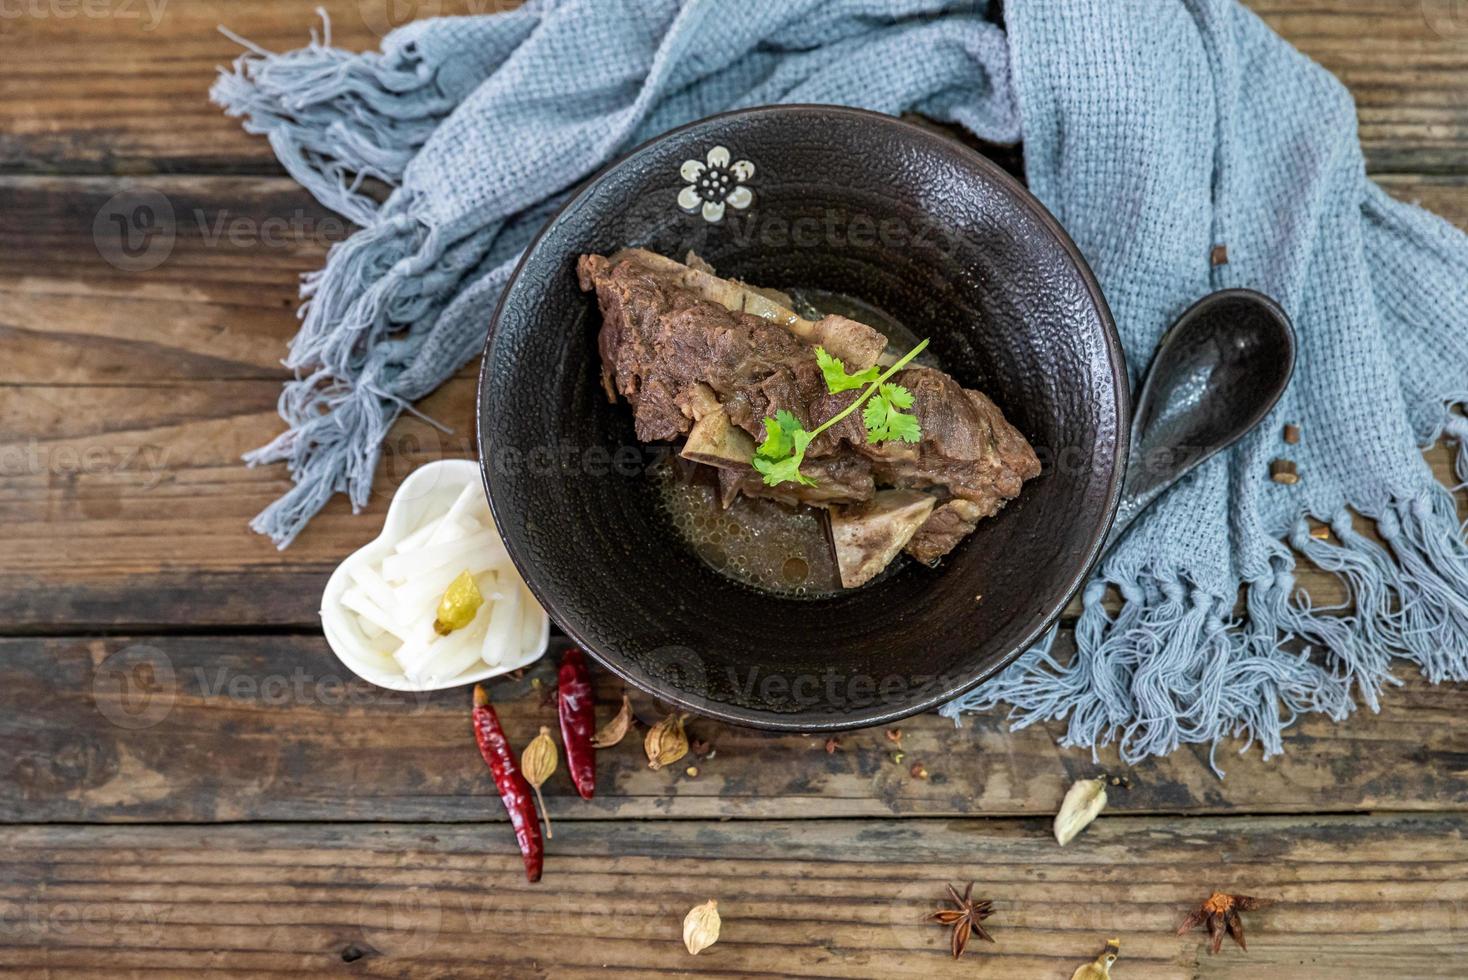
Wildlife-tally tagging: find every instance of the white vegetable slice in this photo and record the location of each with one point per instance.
(372, 631)
(529, 620)
(419, 537)
(417, 648)
(489, 586)
(371, 583)
(457, 510)
(405, 567)
(503, 637)
(358, 602)
(412, 595)
(377, 656)
(459, 650)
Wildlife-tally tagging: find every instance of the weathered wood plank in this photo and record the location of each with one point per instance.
(225, 728)
(1357, 896)
(111, 86)
(122, 86)
(1405, 63)
(129, 392)
(133, 384)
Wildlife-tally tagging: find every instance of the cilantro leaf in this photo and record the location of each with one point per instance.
(875, 417)
(778, 458)
(784, 471)
(904, 427)
(779, 435)
(837, 380)
(897, 395)
(883, 419)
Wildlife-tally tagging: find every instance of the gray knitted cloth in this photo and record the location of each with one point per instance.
(1153, 129)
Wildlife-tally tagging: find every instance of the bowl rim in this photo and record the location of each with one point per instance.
(764, 720)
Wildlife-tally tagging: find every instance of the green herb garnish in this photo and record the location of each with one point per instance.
(778, 458)
(836, 377)
(883, 419)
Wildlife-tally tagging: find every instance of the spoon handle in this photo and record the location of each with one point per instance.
(1134, 500)
(1223, 364)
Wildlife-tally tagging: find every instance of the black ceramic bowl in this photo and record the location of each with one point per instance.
(865, 205)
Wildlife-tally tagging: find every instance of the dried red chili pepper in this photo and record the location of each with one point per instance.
(514, 790)
(578, 721)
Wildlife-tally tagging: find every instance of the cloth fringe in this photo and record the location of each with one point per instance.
(1172, 668)
(335, 118)
(1456, 428)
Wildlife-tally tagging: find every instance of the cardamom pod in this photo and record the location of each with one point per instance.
(1100, 967)
(537, 763)
(666, 742)
(701, 926)
(1082, 803)
(615, 730)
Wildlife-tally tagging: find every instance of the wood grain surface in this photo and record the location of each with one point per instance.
(131, 394)
(111, 86)
(190, 782)
(231, 728)
(1356, 897)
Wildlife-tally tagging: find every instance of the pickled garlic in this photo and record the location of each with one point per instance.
(460, 602)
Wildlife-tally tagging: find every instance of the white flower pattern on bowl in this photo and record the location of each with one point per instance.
(714, 184)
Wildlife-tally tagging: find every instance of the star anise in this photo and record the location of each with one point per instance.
(965, 918)
(1221, 912)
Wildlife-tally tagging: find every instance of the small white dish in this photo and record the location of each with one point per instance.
(428, 492)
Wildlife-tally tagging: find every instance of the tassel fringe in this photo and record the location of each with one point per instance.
(335, 118)
(1174, 663)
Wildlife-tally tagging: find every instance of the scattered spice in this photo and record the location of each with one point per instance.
(701, 927)
(965, 918)
(1083, 801)
(894, 735)
(919, 771)
(539, 762)
(1100, 968)
(578, 716)
(832, 744)
(615, 730)
(666, 742)
(1284, 471)
(1292, 434)
(514, 791)
(692, 772)
(1221, 913)
(1219, 255)
(897, 757)
(459, 605)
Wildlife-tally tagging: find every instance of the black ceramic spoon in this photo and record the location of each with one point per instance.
(1216, 374)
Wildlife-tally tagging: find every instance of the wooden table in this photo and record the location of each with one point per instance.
(190, 781)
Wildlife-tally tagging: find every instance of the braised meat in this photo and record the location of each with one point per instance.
(709, 358)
